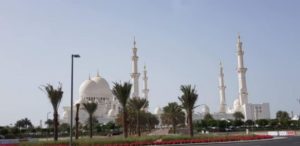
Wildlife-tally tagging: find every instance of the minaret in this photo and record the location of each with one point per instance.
(135, 75)
(222, 91)
(145, 78)
(243, 93)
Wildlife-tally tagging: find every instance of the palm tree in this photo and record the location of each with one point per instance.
(77, 120)
(49, 123)
(188, 100)
(55, 96)
(122, 92)
(90, 108)
(173, 114)
(238, 116)
(137, 104)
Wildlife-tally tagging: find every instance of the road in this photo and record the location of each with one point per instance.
(289, 141)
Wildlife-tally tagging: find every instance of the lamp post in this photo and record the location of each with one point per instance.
(298, 99)
(71, 118)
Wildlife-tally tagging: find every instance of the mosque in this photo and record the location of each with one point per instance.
(251, 111)
(97, 89)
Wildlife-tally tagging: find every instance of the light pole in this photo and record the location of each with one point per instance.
(298, 115)
(71, 118)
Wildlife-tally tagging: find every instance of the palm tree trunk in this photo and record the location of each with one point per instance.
(77, 121)
(125, 123)
(55, 122)
(91, 126)
(138, 123)
(191, 123)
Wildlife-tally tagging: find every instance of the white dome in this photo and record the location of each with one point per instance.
(205, 109)
(96, 87)
(102, 84)
(87, 89)
(236, 102)
(158, 111)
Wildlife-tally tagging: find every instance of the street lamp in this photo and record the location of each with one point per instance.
(71, 119)
(298, 115)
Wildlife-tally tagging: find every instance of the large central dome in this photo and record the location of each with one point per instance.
(97, 87)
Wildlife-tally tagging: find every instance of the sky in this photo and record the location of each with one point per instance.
(180, 41)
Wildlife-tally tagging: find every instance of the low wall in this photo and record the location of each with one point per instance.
(279, 133)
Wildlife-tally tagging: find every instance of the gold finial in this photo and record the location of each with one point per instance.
(239, 37)
(134, 43)
(98, 73)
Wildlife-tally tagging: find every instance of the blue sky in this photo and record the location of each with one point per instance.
(181, 42)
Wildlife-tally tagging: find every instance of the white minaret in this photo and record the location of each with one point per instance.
(222, 91)
(145, 78)
(135, 75)
(243, 93)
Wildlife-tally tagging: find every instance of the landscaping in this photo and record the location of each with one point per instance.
(149, 140)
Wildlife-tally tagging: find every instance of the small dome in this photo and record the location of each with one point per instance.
(236, 102)
(158, 111)
(205, 109)
(236, 105)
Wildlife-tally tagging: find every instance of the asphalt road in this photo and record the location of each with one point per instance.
(289, 141)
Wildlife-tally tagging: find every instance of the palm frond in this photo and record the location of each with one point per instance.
(54, 95)
(90, 107)
(122, 92)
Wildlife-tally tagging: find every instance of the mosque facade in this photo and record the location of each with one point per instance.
(97, 89)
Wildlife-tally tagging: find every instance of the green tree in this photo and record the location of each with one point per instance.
(282, 115)
(64, 128)
(283, 118)
(249, 123)
(208, 117)
(49, 123)
(173, 115)
(188, 100)
(137, 104)
(151, 120)
(90, 107)
(147, 121)
(122, 92)
(262, 122)
(55, 96)
(238, 116)
(24, 123)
